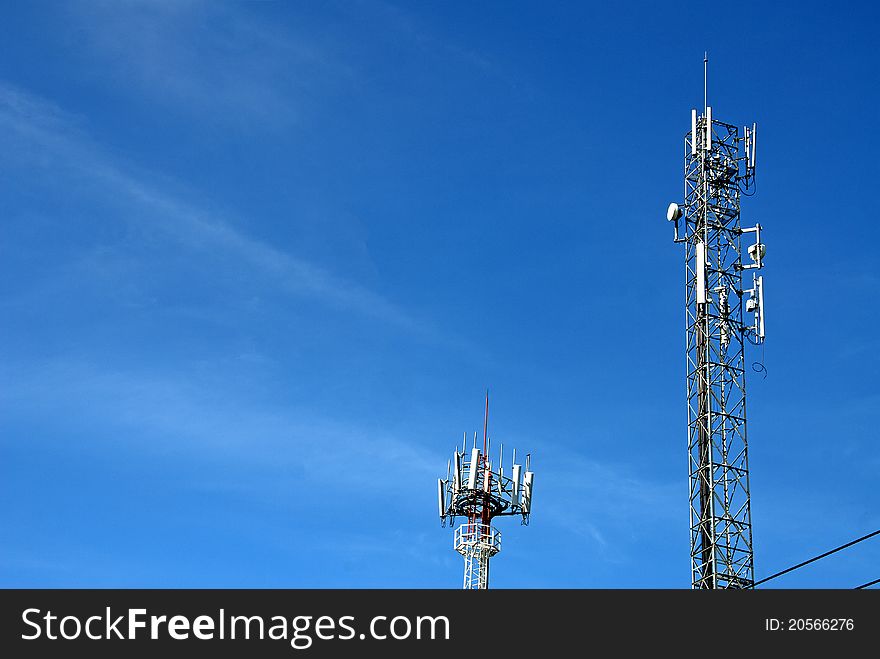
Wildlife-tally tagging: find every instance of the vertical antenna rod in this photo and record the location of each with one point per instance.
(705, 80)
(486, 426)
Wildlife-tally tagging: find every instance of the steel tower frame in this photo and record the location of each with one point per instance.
(718, 169)
(476, 489)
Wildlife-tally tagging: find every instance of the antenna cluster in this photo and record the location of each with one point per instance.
(720, 161)
(473, 481)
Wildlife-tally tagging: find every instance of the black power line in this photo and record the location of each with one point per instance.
(865, 585)
(816, 558)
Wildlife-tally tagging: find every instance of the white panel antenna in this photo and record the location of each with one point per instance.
(441, 495)
(514, 498)
(701, 272)
(527, 491)
(748, 148)
(472, 474)
(754, 141)
(708, 144)
(759, 284)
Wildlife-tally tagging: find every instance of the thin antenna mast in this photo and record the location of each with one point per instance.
(705, 80)
(486, 427)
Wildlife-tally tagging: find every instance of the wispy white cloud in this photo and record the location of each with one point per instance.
(600, 502)
(239, 65)
(220, 61)
(200, 419)
(184, 416)
(39, 133)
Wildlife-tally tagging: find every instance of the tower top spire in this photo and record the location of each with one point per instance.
(705, 80)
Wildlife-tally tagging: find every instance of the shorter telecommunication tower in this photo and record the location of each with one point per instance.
(478, 490)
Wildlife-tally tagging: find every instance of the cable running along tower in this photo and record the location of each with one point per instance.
(478, 490)
(721, 317)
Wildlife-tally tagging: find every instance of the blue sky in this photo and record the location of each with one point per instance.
(259, 263)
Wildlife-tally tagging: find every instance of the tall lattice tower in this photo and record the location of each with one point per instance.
(478, 490)
(719, 168)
